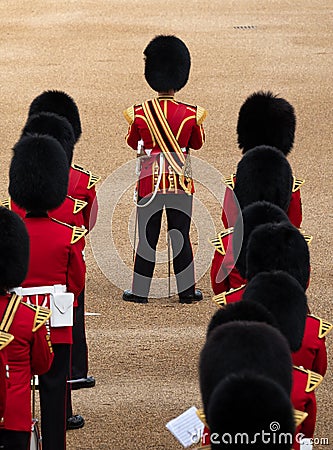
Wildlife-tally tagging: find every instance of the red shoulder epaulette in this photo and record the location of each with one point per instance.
(324, 327)
(93, 179)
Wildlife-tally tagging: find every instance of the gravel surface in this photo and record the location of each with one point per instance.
(145, 357)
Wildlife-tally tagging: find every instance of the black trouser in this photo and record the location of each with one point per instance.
(52, 392)
(14, 440)
(79, 357)
(79, 351)
(178, 209)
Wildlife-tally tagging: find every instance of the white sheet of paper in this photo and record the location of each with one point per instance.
(187, 427)
(306, 444)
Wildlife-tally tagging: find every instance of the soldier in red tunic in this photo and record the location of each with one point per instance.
(56, 275)
(313, 355)
(278, 246)
(30, 351)
(285, 299)
(228, 269)
(82, 182)
(304, 382)
(244, 389)
(163, 130)
(270, 247)
(264, 119)
(81, 188)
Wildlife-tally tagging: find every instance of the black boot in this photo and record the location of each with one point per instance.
(196, 297)
(128, 296)
(75, 422)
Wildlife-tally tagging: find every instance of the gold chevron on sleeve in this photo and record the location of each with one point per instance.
(299, 417)
(201, 415)
(77, 234)
(93, 179)
(5, 203)
(201, 115)
(229, 181)
(217, 242)
(314, 380)
(129, 114)
(222, 299)
(298, 182)
(41, 317)
(218, 245)
(325, 327)
(308, 237)
(5, 339)
(79, 205)
(10, 312)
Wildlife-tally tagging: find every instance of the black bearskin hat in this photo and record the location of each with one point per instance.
(264, 173)
(278, 247)
(284, 297)
(257, 213)
(53, 125)
(238, 346)
(265, 119)
(14, 249)
(167, 63)
(243, 406)
(240, 311)
(60, 103)
(38, 175)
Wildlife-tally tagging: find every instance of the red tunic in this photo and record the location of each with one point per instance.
(312, 355)
(186, 124)
(70, 211)
(230, 207)
(29, 353)
(303, 398)
(81, 186)
(56, 257)
(223, 273)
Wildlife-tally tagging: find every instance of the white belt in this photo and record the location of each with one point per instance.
(40, 290)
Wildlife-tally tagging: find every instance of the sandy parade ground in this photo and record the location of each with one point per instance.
(145, 357)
